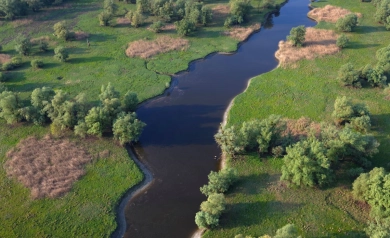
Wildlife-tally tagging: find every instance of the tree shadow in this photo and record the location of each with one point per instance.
(368, 29)
(101, 38)
(28, 87)
(77, 50)
(357, 45)
(50, 65)
(15, 76)
(88, 60)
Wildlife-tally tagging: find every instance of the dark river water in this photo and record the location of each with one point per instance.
(178, 144)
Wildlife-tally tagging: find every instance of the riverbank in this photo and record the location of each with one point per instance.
(259, 204)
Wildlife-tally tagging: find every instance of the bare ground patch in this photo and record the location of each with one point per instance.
(4, 58)
(48, 167)
(21, 22)
(122, 21)
(220, 12)
(146, 48)
(317, 43)
(242, 33)
(80, 35)
(169, 27)
(329, 13)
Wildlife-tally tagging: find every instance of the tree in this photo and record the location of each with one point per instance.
(43, 46)
(34, 5)
(105, 18)
(157, 26)
(184, 27)
(342, 41)
(382, 11)
(297, 36)
(9, 107)
(130, 102)
(61, 53)
(348, 76)
(97, 121)
(240, 10)
(16, 61)
(143, 6)
(61, 30)
(383, 57)
(127, 128)
(287, 231)
(23, 45)
(137, 19)
(345, 110)
(229, 141)
(375, 76)
(36, 63)
(206, 15)
(306, 164)
(219, 182)
(379, 228)
(211, 209)
(347, 23)
(12, 8)
(109, 6)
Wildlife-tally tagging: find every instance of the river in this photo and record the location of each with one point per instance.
(178, 144)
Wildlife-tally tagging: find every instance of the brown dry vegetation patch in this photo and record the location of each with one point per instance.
(146, 49)
(317, 43)
(38, 39)
(169, 27)
(329, 13)
(21, 22)
(48, 167)
(80, 35)
(4, 58)
(301, 128)
(220, 12)
(242, 33)
(122, 21)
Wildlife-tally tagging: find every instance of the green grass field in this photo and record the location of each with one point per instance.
(88, 210)
(256, 205)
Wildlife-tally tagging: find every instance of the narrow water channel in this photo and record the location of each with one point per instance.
(178, 143)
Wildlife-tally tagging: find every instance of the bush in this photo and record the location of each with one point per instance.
(157, 26)
(382, 11)
(127, 128)
(61, 54)
(16, 62)
(345, 110)
(287, 231)
(375, 76)
(211, 209)
(342, 41)
(23, 45)
(347, 23)
(61, 31)
(130, 102)
(229, 141)
(240, 10)
(278, 151)
(297, 35)
(137, 19)
(383, 57)
(355, 172)
(184, 27)
(43, 46)
(219, 182)
(2, 77)
(348, 76)
(206, 15)
(105, 18)
(36, 63)
(7, 66)
(9, 107)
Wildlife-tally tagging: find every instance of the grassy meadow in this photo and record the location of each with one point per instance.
(88, 210)
(257, 205)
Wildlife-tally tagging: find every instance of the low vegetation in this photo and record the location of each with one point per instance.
(328, 13)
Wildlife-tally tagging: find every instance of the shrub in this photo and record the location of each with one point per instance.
(2, 77)
(342, 41)
(61, 31)
(348, 76)
(81, 129)
(130, 102)
(211, 209)
(105, 18)
(287, 231)
(61, 54)
(184, 27)
(219, 182)
(355, 172)
(297, 35)
(379, 228)
(9, 107)
(383, 57)
(16, 62)
(127, 128)
(347, 23)
(375, 76)
(23, 45)
(157, 26)
(229, 141)
(345, 110)
(240, 10)
(382, 11)
(206, 15)
(36, 63)
(137, 19)
(7, 66)
(278, 151)
(43, 46)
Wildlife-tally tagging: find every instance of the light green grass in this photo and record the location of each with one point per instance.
(310, 90)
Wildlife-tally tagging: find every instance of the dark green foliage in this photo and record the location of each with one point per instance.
(61, 53)
(239, 10)
(382, 11)
(1, 47)
(306, 164)
(287, 231)
(184, 27)
(130, 102)
(347, 23)
(7, 66)
(229, 141)
(143, 6)
(109, 6)
(43, 46)
(375, 76)
(355, 172)
(157, 26)
(9, 107)
(97, 121)
(12, 8)
(16, 62)
(206, 15)
(105, 18)
(345, 111)
(297, 36)
(211, 209)
(137, 19)
(61, 30)
(23, 45)
(342, 41)
(383, 57)
(219, 182)
(36, 63)
(127, 128)
(34, 5)
(3, 77)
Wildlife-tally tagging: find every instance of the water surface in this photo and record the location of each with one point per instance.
(178, 143)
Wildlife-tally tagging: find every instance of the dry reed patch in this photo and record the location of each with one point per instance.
(169, 27)
(39, 39)
(48, 167)
(329, 13)
(122, 21)
(220, 12)
(242, 33)
(80, 35)
(301, 128)
(146, 49)
(21, 22)
(317, 43)
(4, 58)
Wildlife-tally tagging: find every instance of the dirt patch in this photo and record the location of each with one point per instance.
(48, 167)
(146, 48)
(169, 27)
(329, 13)
(122, 21)
(220, 12)
(4, 58)
(317, 43)
(242, 33)
(80, 35)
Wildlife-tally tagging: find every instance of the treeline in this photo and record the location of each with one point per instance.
(114, 114)
(9, 9)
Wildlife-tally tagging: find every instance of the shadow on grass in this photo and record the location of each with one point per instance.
(28, 87)
(15, 76)
(50, 65)
(356, 45)
(368, 29)
(88, 60)
(101, 38)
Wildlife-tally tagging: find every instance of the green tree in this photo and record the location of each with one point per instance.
(297, 36)
(61, 53)
(229, 141)
(206, 15)
(157, 26)
(379, 228)
(306, 164)
(130, 102)
(382, 11)
(383, 57)
(97, 121)
(36, 63)
(219, 182)
(23, 45)
(347, 23)
(211, 209)
(61, 30)
(110, 7)
(348, 76)
(10, 105)
(345, 110)
(12, 8)
(342, 41)
(127, 128)
(184, 27)
(137, 19)
(375, 76)
(287, 231)
(240, 10)
(143, 6)
(105, 18)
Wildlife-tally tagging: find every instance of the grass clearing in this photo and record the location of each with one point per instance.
(259, 204)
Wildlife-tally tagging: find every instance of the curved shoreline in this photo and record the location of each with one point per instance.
(148, 176)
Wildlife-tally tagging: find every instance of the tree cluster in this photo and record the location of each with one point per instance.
(297, 35)
(114, 114)
(287, 231)
(9, 9)
(239, 12)
(347, 23)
